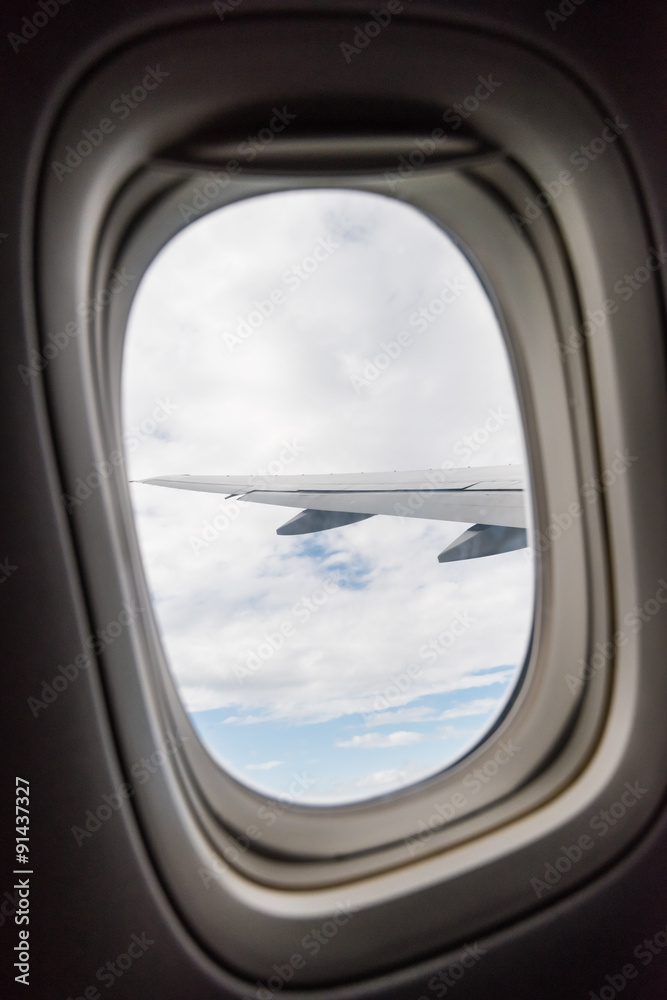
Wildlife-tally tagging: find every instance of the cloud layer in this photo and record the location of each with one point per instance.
(290, 650)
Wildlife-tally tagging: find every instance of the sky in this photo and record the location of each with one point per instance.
(322, 331)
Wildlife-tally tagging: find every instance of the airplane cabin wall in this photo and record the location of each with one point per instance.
(87, 901)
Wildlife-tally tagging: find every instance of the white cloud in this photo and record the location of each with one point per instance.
(380, 782)
(289, 382)
(264, 767)
(417, 714)
(479, 707)
(376, 741)
(392, 776)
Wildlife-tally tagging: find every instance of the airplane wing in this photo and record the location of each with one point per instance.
(491, 497)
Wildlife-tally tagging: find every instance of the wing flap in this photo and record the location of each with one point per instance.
(318, 520)
(502, 508)
(484, 540)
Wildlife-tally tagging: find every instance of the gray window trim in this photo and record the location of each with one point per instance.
(471, 875)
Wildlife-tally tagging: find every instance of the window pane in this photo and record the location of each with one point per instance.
(322, 334)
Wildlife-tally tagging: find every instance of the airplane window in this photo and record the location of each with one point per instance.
(335, 527)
